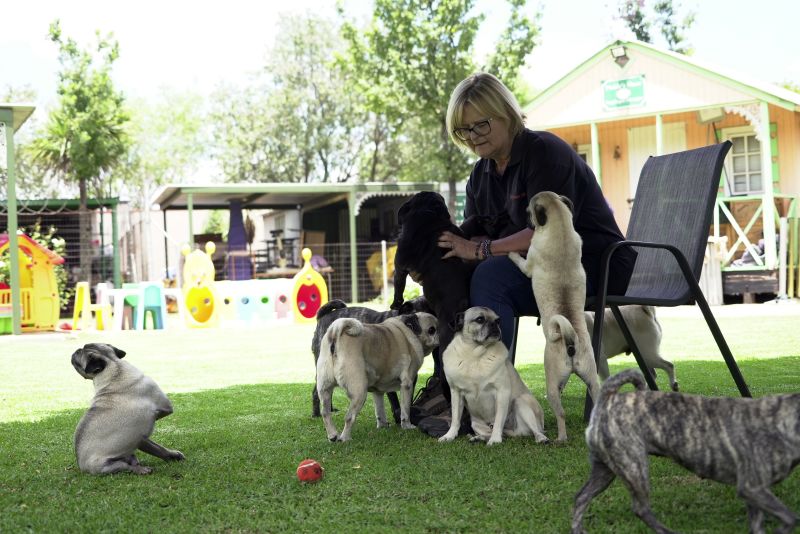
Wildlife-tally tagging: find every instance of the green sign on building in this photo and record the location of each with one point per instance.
(627, 93)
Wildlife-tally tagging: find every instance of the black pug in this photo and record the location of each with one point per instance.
(445, 283)
(336, 309)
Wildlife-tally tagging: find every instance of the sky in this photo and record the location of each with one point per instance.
(185, 45)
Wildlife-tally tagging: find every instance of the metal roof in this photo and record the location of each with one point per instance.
(277, 195)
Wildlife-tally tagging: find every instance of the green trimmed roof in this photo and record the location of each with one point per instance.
(759, 90)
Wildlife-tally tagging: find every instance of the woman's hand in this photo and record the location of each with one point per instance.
(456, 246)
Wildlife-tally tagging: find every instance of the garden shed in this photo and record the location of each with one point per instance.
(631, 100)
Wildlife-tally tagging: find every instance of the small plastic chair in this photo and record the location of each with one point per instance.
(83, 308)
(150, 301)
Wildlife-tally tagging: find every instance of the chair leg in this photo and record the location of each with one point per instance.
(648, 376)
(512, 350)
(744, 391)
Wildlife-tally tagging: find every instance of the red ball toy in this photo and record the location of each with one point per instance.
(309, 471)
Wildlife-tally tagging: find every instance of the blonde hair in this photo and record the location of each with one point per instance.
(490, 97)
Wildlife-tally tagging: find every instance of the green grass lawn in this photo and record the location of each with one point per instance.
(242, 418)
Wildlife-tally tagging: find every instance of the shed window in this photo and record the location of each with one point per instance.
(744, 164)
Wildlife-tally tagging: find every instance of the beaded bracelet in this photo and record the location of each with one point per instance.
(486, 248)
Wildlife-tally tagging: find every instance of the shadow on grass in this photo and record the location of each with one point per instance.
(243, 445)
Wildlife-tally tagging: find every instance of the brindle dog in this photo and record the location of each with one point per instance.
(750, 443)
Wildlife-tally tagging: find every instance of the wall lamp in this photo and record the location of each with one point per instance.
(620, 55)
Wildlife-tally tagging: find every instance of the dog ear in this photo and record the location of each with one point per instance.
(412, 322)
(568, 203)
(540, 214)
(406, 307)
(118, 352)
(458, 322)
(94, 365)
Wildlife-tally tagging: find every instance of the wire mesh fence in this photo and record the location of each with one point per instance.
(374, 267)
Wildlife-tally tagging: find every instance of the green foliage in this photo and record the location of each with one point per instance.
(48, 239)
(168, 137)
(518, 39)
(217, 223)
(300, 122)
(409, 60)
(85, 137)
(663, 15)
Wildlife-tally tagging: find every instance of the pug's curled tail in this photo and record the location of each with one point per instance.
(345, 325)
(561, 329)
(628, 376)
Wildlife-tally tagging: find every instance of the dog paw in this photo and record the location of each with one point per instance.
(493, 441)
(141, 470)
(343, 438)
(407, 426)
(383, 424)
(334, 438)
(447, 438)
(176, 456)
(675, 386)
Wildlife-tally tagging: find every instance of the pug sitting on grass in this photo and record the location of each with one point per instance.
(122, 416)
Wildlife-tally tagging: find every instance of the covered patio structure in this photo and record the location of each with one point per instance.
(304, 197)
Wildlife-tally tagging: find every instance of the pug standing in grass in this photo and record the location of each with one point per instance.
(122, 415)
(559, 286)
(482, 376)
(749, 443)
(375, 358)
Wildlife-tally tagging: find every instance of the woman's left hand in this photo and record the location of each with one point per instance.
(456, 246)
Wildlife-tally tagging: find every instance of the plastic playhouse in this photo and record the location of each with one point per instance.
(207, 302)
(38, 286)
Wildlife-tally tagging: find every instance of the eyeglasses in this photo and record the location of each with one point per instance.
(480, 128)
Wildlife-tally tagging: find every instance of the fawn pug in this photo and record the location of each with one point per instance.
(377, 358)
(122, 416)
(559, 286)
(482, 376)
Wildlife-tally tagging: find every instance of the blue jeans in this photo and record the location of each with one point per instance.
(498, 284)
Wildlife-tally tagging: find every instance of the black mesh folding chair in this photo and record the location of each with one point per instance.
(669, 225)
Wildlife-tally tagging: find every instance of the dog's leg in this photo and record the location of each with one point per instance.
(456, 408)
(763, 499)
(556, 376)
(502, 403)
(668, 367)
(631, 465)
(599, 479)
(524, 265)
(526, 412)
(755, 518)
(406, 390)
(380, 410)
(314, 402)
(357, 395)
(394, 404)
(151, 447)
(120, 465)
(325, 396)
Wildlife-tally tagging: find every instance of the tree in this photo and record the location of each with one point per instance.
(168, 143)
(298, 122)
(412, 56)
(85, 137)
(639, 20)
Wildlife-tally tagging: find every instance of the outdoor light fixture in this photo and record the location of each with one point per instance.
(620, 55)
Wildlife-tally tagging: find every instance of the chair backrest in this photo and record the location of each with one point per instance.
(674, 204)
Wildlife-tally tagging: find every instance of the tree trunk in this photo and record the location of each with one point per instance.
(85, 233)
